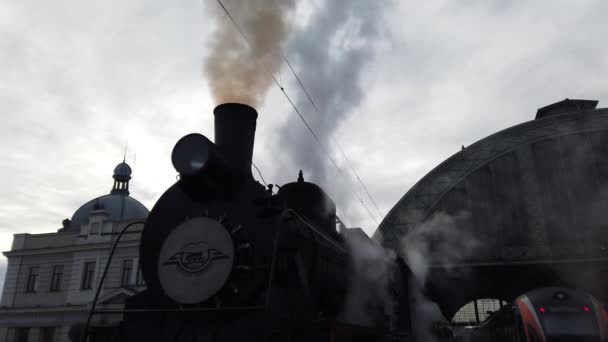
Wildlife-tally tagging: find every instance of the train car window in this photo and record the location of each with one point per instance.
(568, 323)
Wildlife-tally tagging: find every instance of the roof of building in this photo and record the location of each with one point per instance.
(122, 172)
(117, 205)
(520, 209)
(566, 106)
(511, 169)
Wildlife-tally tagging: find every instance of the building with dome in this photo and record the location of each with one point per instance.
(51, 278)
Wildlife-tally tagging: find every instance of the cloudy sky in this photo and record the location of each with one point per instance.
(401, 85)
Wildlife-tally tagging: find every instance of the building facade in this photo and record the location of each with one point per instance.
(51, 278)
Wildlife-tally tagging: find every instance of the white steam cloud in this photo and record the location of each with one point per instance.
(369, 295)
(330, 52)
(439, 242)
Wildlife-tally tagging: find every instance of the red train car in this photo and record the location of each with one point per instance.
(551, 314)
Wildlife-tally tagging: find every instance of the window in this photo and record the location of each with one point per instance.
(56, 278)
(568, 323)
(32, 279)
(22, 334)
(127, 269)
(95, 228)
(47, 334)
(88, 275)
(139, 280)
(478, 311)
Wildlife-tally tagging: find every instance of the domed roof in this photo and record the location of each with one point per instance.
(117, 207)
(122, 171)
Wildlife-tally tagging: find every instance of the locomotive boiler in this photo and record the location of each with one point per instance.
(226, 259)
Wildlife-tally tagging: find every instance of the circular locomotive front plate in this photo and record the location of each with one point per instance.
(195, 260)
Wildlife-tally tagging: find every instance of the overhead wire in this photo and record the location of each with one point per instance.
(100, 284)
(314, 105)
(348, 162)
(299, 113)
(247, 40)
(312, 102)
(260, 173)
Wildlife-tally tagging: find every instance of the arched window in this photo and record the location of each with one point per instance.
(477, 311)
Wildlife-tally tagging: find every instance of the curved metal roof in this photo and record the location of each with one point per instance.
(423, 198)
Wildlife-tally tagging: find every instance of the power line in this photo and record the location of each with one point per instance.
(260, 173)
(298, 113)
(327, 153)
(314, 105)
(243, 34)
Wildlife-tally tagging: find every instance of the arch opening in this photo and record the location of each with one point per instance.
(477, 311)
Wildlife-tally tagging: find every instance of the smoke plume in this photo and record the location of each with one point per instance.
(241, 70)
(329, 52)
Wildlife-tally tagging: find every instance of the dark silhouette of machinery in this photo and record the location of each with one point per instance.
(226, 259)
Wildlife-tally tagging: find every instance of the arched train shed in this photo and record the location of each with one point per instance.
(523, 208)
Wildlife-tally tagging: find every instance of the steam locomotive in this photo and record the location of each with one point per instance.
(226, 259)
(549, 314)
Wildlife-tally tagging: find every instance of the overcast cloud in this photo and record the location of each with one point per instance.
(79, 78)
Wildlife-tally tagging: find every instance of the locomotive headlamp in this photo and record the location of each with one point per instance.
(191, 153)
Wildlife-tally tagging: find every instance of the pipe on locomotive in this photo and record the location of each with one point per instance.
(232, 152)
(235, 134)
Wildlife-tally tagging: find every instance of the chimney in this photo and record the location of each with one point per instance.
(235, 135)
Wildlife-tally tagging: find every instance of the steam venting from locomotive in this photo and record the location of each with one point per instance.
(241, 70)
(332, 50)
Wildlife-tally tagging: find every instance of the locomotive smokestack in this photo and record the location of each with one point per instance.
(235, 134)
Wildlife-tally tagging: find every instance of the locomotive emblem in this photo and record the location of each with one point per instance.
(195, 260)
(195, 257)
